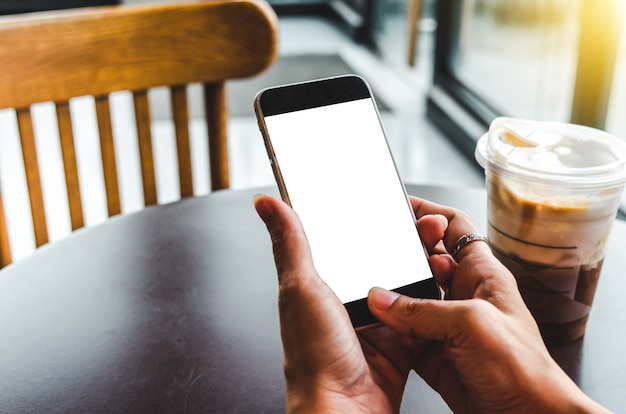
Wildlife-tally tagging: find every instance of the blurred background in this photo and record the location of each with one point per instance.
(557, 60)
(560, 60)
(440, 70)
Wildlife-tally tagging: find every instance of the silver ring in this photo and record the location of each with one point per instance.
(466, 239)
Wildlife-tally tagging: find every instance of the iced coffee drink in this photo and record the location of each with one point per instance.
(554, 190)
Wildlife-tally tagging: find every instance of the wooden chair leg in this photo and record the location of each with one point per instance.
(413, 15)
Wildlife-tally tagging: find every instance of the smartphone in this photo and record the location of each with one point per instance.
(334, 167)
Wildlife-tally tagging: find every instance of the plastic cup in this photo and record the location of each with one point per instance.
(554, 190)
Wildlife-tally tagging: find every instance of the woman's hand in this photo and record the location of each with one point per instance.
(328, 367)
(480, 349)
(487, 354)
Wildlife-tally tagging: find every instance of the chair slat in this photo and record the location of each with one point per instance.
(109, 168)
(33, 180)
(144, 138)
(180, 114)
(68, 152)
(5, 248)
(217, 117)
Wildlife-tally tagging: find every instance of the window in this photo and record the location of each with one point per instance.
(616, 121)
(536, 59)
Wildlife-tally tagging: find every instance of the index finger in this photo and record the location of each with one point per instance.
(459, 223)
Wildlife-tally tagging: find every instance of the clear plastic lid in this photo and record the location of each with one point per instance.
(553, 152)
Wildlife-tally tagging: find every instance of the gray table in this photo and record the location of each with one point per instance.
(173, 309)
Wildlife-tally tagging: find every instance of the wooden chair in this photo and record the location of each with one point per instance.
(55, 56)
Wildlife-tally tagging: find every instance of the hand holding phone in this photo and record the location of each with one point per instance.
(333, 165)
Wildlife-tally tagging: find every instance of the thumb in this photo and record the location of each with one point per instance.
(292, 253)
(426, 318)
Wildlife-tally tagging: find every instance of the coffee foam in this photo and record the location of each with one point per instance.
(558, 153)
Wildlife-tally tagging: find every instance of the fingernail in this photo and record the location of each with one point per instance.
(262, 207)
(382, 298)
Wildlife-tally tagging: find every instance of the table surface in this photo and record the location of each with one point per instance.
(173, 309)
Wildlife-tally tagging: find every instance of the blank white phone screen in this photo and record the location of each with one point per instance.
(343, 184)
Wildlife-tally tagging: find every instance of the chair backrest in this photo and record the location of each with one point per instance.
(56, 56)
